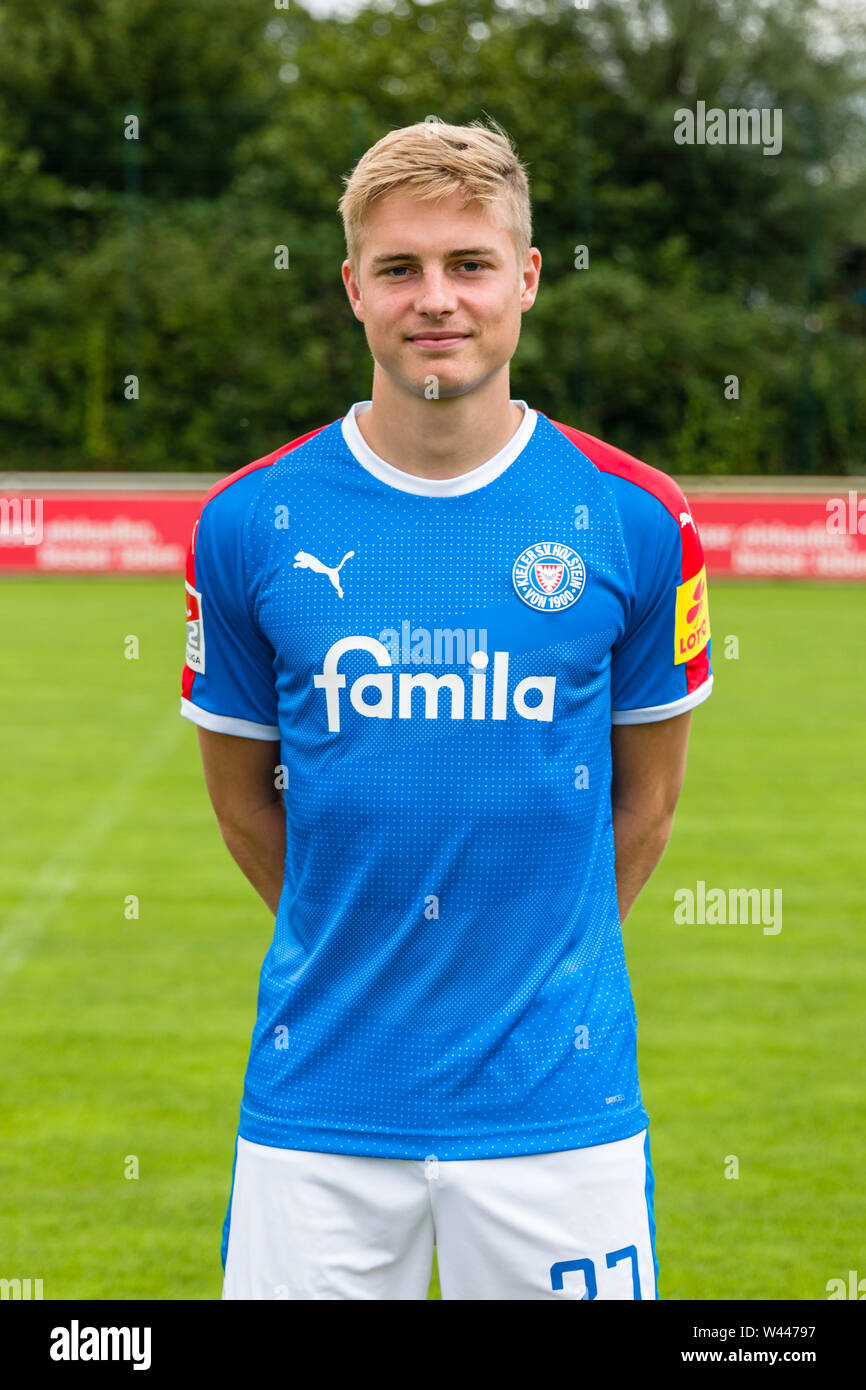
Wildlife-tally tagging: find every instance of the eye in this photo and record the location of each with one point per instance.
(394, 270)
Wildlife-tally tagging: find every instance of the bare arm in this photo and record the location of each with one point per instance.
(649, 764)
(239, 774)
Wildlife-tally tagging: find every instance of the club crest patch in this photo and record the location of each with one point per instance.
(549, 576)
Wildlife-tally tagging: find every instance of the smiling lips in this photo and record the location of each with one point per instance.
(438, 339)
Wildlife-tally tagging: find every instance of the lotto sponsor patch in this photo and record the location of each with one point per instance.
(194, 631)
(692, 621)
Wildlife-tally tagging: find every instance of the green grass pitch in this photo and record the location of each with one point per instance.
(125, 1036)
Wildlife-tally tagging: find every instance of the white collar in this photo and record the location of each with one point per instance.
(435, 487)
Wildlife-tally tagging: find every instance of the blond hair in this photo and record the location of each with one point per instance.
(433, 160)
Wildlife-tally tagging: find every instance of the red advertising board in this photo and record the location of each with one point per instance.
(783, 535)
(820, 535)
(97, 533)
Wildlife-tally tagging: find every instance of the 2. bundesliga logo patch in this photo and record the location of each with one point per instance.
(549, 576)
(194, 630)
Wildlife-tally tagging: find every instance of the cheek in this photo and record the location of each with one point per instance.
(500, 312)
(385, 315)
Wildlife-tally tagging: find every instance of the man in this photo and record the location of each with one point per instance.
(443, 654)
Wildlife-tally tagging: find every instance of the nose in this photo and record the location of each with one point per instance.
(435, 296)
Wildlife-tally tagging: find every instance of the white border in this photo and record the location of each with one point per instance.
(653, 713)
(435, 487)
(227, 724)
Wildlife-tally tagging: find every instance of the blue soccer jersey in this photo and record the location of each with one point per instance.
(438, 664)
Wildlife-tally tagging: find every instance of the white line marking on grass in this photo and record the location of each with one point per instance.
(21, 931)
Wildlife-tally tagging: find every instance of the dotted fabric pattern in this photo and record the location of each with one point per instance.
(447, 972)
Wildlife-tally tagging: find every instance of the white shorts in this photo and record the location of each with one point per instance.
(577, 1224)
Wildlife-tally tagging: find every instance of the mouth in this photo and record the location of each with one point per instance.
(437, 341)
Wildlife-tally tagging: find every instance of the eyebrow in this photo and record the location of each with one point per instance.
(450, 255)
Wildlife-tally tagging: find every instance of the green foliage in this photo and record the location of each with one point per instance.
(156, 257)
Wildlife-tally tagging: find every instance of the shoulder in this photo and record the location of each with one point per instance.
(627, 470)
(645, 496)
(238, 489)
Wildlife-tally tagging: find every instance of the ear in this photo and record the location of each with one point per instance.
(353, 289)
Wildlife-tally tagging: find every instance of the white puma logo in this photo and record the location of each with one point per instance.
(685, 520)
(303, 561)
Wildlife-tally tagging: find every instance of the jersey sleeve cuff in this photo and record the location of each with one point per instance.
(227, 724)
(651, 714)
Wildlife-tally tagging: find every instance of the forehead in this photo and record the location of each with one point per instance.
(403, 222)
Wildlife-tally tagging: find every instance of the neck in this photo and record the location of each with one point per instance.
(439, 438)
